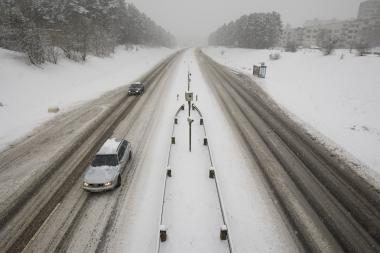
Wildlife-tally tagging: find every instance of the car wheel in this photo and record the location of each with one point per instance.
(130, 156)
(118, 181)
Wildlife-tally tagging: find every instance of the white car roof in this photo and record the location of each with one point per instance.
(110, 147)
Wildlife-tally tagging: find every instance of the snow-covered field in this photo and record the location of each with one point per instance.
(337, 95)
(26, 92)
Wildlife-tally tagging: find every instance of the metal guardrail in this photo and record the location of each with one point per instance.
(225, 226)
(219, 191)
(167, 175)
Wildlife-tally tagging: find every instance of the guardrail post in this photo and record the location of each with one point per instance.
(211, 172)
(169, 172)
(223, 232)
(163, 233)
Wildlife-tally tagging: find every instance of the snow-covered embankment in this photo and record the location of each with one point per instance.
(27, 92)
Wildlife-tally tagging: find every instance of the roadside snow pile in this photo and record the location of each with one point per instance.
(339, 95)
(29, 91)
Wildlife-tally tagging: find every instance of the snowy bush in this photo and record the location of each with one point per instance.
(52, 54)
(129, 47)
(291, 46)
(31, 44)
(74, 55)
(362, 48)
(274, 56)
(326, 41)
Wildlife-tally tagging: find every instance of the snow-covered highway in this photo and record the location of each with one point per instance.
(280, 191)
(321, 193)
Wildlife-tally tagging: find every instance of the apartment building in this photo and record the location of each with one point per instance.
(346, 32)
(369, 9)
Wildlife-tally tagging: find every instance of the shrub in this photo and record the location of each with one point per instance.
(362, 48)
(274, 56)
(291, 46)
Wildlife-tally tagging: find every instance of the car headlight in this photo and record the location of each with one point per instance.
(85, 184)
(108, 184)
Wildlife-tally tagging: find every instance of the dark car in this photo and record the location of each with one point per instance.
(137, 88)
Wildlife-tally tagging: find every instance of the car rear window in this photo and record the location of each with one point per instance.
(136, 85)
(105, 160)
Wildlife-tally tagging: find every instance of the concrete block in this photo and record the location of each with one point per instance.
(53, 109)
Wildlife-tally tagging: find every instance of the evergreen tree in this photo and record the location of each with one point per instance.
(43, 28)
(257, 30)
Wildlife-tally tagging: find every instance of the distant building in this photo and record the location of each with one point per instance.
(347, 32)
(369, 9)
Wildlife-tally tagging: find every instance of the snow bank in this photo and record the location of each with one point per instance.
(339, 95)
(27, 92)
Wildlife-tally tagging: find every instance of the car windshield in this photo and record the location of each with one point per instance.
(105, 160)
(136, 85)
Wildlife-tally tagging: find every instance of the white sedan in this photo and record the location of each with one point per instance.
(105, 171)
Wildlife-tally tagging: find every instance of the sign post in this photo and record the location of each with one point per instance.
(189, 99)
(190, 120)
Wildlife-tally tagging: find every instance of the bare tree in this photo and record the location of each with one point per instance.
(326, 41)
(291, 46)
(362, 47)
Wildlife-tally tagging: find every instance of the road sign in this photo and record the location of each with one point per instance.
(189, 96)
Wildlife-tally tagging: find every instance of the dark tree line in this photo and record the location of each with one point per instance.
(257, 30)
(44, 29)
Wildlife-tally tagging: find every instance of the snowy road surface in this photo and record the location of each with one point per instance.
(256, 224)
(281, 191)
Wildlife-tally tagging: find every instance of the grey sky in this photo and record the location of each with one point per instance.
(191, 21)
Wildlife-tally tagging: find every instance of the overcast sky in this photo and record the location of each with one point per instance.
(192, 21)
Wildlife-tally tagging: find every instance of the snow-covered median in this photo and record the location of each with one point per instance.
(338, 95)
(27, 92)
